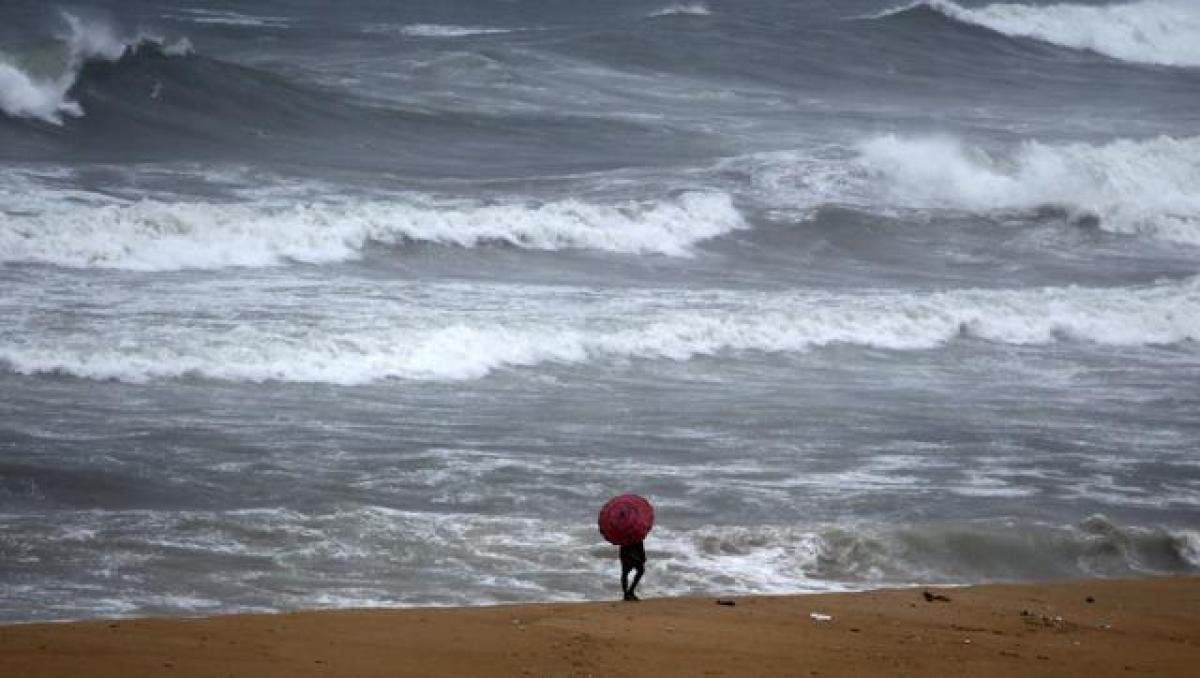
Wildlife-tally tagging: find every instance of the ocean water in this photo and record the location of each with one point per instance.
(311, 305)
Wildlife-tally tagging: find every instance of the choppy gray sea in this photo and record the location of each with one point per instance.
(309, 305)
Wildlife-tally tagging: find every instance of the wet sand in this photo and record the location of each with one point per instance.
(1079, 628)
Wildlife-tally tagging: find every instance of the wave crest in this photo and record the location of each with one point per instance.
(357, 340)
(1146, 187)
(1162, 32)
(435, 30)
(778, 558)
(682, 9)
(26, 94)
(153, 236)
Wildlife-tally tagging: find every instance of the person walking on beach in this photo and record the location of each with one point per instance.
(625, 521)
(633, 557)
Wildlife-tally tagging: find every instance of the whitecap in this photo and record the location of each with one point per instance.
(1131, 186)
(435, 30)
(27, 95)
(683, 9)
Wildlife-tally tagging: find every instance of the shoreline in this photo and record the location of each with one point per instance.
(1128, 627)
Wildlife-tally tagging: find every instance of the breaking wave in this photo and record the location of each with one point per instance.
(1143, 188)
(1162, 32)
(360, 342)
(782, 559)
(1146, 187)
(26, 93)
(155, 236)
(1132, 187)
(267, 556)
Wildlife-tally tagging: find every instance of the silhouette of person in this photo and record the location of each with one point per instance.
(633, 557)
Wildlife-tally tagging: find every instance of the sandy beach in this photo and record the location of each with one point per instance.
(1094, 628)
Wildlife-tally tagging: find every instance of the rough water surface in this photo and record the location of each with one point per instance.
(374, 304)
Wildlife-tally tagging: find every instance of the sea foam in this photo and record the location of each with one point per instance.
(228, 18)
(435, 30)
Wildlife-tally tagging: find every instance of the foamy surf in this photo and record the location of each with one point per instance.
(509, 558)
(1140, 187)
(149, 235)
(781, 559)
(1136, 187)
(446, 337)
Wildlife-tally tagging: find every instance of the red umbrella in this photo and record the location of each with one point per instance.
(626, 520)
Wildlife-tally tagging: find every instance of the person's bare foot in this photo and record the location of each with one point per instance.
(631, 597)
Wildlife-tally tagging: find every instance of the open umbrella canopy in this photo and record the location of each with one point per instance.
(626, 519)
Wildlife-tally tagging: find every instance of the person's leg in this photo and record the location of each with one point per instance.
(625, 567)
(629, 592)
